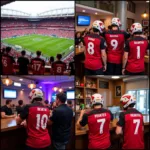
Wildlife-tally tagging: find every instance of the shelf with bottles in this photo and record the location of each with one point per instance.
(91, 83)
(79, 82)
(79, 93)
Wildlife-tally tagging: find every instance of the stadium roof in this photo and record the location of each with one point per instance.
(5, 2)
(38, 8)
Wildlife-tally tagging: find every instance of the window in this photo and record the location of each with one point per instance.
(131, 6)
(142, 97)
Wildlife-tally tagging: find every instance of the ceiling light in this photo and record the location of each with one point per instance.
(147, 1)
(7, 81)
(70, 87)
(32, 86)
(17, 84)
(60, 90)
(40, 87)
(115, 77)
(83, 10)
(96, 13)
(21, 79)
(55, 89)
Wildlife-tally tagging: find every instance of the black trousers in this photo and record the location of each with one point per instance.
(114, 69)
(94, 72)
(130, 73)
(30, 148)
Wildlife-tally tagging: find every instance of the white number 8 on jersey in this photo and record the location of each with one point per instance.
(90, 48)
(59, 69)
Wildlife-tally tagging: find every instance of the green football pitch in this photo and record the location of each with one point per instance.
(50, 46)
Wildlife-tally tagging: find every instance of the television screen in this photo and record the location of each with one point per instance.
(70, 95)
(53, 97)
(10, 94)
(83, 20)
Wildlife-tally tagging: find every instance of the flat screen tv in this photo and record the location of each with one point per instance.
(70, 95)
(10, 94)
(83, 20)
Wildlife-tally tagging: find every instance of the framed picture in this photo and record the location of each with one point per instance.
(118, 91)
(145, 23)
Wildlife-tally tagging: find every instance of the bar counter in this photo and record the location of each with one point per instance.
(13, 136)
(116, 140)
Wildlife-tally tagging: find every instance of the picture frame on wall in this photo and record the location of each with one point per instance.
(145, 23)
(118, 91)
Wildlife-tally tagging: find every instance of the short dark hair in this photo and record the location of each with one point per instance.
(8, 49)
(96, 30)
(46, 102)
(38, 53)
(23, 52)
(8, 101)
(61, 97)
(51, 59)
(59, 56)
(20, 102)
(97, 104)
(69, 102)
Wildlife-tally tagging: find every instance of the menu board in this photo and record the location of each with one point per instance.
(104, 84)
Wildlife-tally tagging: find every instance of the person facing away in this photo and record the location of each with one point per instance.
(58, 66)
(115, 41)
(20, 106)
(61, 121)
(36, 116)
(134, 52)
(23, 63)
(72, 66)
(130, 124)
(98, 121)
(38, 64)
(46, 104)
(6, 111)
(95, 54)
(7, 62)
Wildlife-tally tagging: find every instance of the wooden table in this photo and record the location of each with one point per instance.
(13, 136)
(116, 140)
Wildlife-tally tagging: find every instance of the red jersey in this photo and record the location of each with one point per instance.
(38, 66)
(115, 41)
(94, 44)
(7, 64)
(58, 67)
(132, 123)
(36, 116)
(136, 49)
(98, 122)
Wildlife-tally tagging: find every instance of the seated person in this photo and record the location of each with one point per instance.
(6, 111)
(20, 107)
(58, 66)
(38, 64)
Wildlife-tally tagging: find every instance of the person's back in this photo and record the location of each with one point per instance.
(136, 47)
(72, 68)
(37, 66)
(36, 115)
(62, 127)
(133, 129)
(131, 124)
(98, 123)
(93, 47)
(115, 40)
(7, 62)
(23, 64)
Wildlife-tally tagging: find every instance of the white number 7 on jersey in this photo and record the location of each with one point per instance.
(102, 121)
(137, 121)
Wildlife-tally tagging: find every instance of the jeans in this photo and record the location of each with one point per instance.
(59, 145)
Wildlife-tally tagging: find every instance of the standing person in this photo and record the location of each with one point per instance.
(134, 52)
(7, 62)
(38, 64)
(19, 108)
(6, 111)
(46, 104)
(130, 124)
(72, 67)
(115, 40)
(95, 54)
(78, 39)
(36, 115)
(23, 63)
(61, 121)
(58, 66)
(98, 121)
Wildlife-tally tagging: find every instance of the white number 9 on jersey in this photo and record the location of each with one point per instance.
(90, 48)
(114, 44)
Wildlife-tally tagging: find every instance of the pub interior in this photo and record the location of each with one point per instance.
(16, 88)
(111, 88)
